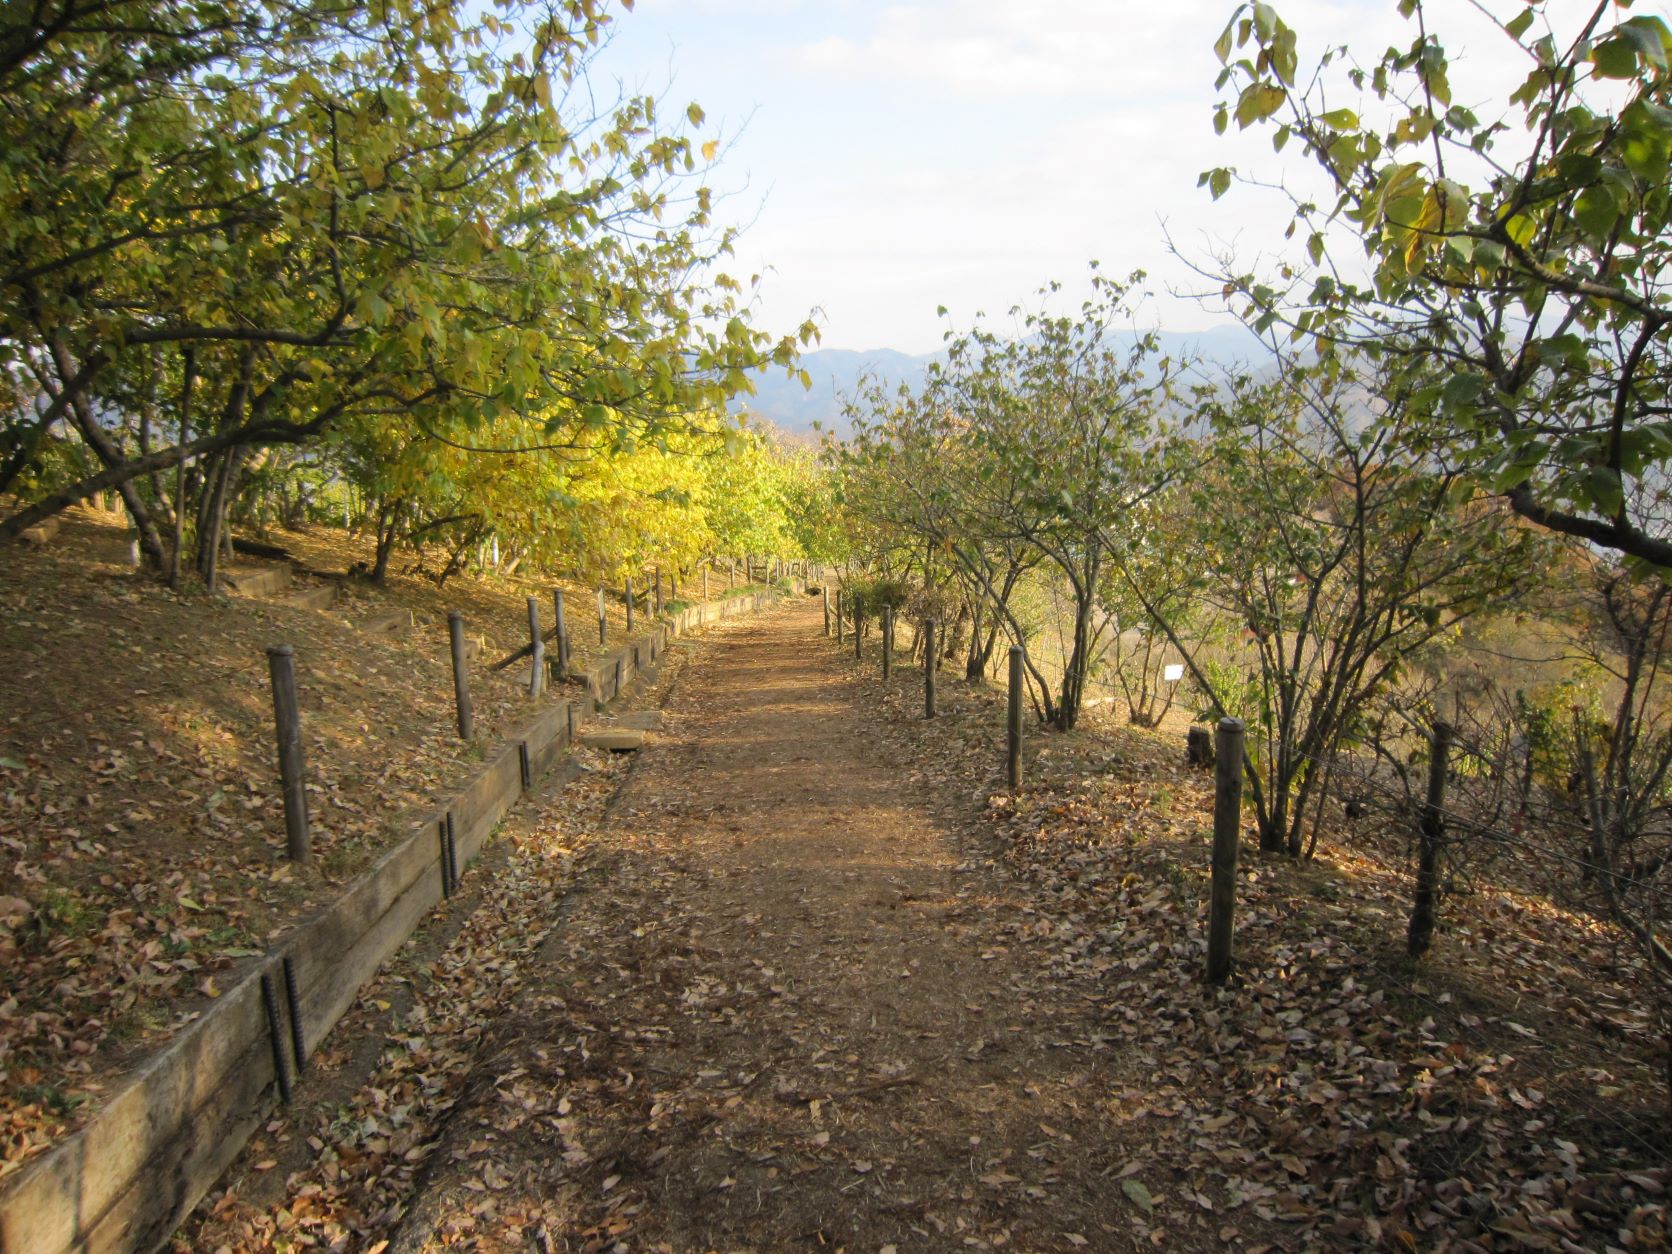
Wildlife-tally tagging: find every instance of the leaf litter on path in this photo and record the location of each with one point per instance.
(808, 978)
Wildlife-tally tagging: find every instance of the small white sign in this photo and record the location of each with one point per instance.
(1173, 672)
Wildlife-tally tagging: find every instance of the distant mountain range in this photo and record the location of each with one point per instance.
(836, 373)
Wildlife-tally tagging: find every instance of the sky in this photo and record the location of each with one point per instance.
(891, 158)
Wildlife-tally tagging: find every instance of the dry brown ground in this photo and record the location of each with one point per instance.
(790, 1017)
(141, 827)
(808, 980)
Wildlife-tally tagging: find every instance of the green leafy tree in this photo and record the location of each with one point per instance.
(911, 472)
(1624, 762)
(1065, 425)
(273, 219)
(810, 497)
(1520, 249)
(1018, 465)
(749, 499)
(1341, 552)
(1158, 553)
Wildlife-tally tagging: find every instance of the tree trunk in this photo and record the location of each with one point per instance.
(1073, 675)
(188, 381)
(388, 525)
(1419, 933)
(954, 643)
(158, 497)
(455, 561)
(1272, 837)
(982, 638)
(87, 424)
(213, 535)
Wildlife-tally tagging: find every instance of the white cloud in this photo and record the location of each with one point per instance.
(963, 152)
(984, 48)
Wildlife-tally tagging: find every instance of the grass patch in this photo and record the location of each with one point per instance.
(61, 913)
(51, 1097)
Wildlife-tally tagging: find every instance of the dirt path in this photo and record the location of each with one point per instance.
(781, 1012)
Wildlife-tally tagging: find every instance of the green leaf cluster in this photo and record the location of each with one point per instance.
(1518, 247)
(372, 231)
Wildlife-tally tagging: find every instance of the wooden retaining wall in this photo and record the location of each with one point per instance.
(127, 1179)
(607, 679)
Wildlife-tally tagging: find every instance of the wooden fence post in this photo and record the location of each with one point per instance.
(537, 650)
(287, 718)
(1227, 825)
(603, 619)
(1013, 719)
(705, 583)
(1431, 830)
(929, 668)
(853, 611)
(825, 589)
(887, 637)
(838, 616)
(561, 640)
(461, 679)
(656, 597)
(628, 585)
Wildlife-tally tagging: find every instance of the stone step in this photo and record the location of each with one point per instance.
(256, 581)
(392, 623)
(615, 739)
(40, 534)
(316, 598)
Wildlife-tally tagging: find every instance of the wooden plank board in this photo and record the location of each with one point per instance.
(340, 974)
(477, 810)
(55, 1201)
(184, 1166)
(547, 737)
(338, 951)
(610, 677)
